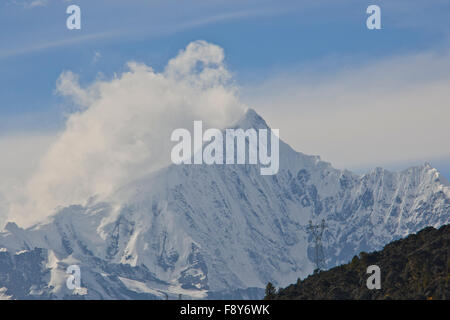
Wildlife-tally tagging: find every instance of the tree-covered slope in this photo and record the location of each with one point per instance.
(416, 267)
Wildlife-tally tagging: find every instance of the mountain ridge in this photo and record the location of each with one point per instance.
(223, 230)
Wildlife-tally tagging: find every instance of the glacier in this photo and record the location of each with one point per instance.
(218, 231)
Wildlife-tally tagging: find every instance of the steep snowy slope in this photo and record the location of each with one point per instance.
(218, 231)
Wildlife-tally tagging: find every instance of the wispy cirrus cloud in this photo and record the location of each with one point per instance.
(36, 47)
(29, 4)
(142, 30)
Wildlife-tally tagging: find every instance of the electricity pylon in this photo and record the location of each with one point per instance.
(316, 231)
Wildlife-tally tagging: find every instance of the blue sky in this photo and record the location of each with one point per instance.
(292, 41)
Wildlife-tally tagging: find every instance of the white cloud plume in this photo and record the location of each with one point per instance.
(20, 155)
(122, 129)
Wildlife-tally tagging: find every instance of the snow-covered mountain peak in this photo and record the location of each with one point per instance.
(251, 119)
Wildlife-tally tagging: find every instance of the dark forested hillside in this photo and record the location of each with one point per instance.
(416, 267)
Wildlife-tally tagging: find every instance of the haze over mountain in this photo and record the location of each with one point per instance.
(218, 231)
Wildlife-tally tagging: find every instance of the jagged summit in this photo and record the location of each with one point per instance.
(220, 230)
(251, 119)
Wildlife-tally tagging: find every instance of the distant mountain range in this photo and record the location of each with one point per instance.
(218, 231)
(417, 267)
